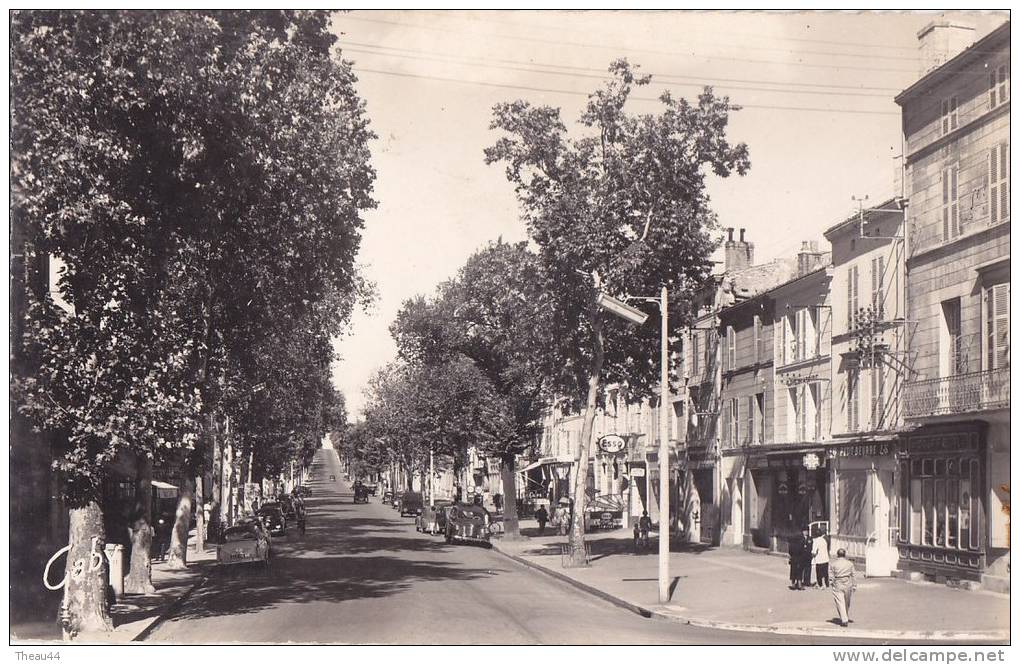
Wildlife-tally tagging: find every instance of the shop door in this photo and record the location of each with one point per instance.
(882, 488)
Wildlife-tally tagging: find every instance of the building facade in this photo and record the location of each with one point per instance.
(953, 481)
(868, 371)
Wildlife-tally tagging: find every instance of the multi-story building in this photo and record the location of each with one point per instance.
(868, 370)
(953, 473)
(787, 477)
(721, 377)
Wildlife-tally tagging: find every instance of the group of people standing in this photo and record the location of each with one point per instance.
(806, 552)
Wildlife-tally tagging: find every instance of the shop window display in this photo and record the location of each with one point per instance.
(939, 507)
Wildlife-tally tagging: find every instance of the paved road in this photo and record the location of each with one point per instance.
(362, 574)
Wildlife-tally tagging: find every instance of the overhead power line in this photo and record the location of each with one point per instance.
(635, 49)
(807, 40)
(489, 84)
(588, 72)
(729, 33)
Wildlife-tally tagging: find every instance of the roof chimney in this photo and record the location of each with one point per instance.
(941, 40)
(739, 254)
(808, 258)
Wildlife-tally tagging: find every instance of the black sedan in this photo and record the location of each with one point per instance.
(467, 522)
(272, 518)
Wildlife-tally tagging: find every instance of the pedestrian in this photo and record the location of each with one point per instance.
(843, 585)
(542, 515)
(563, 519)
(799, 550)
(820, 559)
(497, 502)
(805, 561)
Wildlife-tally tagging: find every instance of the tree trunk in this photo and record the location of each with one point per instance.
(215, 517)
(85, 592)
(178, 557)
(139, 577)
(577, 547)
(508, 470)
(199, 513)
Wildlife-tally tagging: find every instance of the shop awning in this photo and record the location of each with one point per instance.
(562, 459)
(164, 490)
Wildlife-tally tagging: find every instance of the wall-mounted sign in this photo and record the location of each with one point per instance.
(637, 472)
(811, 461)
(864, 450)
(612, 443)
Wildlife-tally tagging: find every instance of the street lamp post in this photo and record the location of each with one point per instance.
(625, 311)
(664, 523)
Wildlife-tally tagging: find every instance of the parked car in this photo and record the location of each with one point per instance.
(387, 498)
(287, 505)
(245, 542)
(372, 488)
(410, 503)
(433, 518)
(272, 518)
(467, 522)
(360, 494)
(302, 491)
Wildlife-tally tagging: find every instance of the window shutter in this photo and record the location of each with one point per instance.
(1003, 83)
(816, 394)
(998, 320)
(993, 184)
(851, 401)
(782, 340)
(1004, 180)
(953, 115)
(945, 204)
(991, 89)
(749, 434)
(944, 116)
(726, 423)
(731, 347)
(757, 339)
(954, 207)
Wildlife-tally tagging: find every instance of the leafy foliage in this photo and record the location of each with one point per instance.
(202, 176)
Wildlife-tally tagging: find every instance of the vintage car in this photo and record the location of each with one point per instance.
(245, 542)
(372, 488)
(302, 491)
(272, 518)
(433, 517)
(467, 522)
(387, 498)
(410, 504)
(360, 494)
(287, 505)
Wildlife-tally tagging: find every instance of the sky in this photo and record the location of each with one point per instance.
(818, 116)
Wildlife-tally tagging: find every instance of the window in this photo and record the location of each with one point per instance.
(877, 398)
(731, 348)
(852, 294)
(750, 419)
(877, 275)
(950, 207)
(949, 119)
(726, 423)
(998, 183)
(791, 353)
(998, 86)
(759, 340)
(997, 326)
(938, 504)
(759, 418)
(951, 358)
(853, 408)
(734, 421)
(815, 395)
(678, 416)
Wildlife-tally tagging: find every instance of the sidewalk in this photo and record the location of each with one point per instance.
(134, 615)
(731, 589)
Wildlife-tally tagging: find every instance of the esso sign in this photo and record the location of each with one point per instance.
(612, 443)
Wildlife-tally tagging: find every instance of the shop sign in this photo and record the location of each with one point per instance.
(612, 443)
(811, 461)
(637, 472)
(864, 450)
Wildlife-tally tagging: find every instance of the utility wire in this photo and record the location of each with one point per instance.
(533, 26)
(489, 84)
(780, 49)
(641, 50)
(419, 55)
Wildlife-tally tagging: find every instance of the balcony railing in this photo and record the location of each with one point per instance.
(962, 393)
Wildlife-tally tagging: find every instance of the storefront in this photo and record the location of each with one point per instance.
(941, 486)
(789, 492)
(703, 502)
(863, 500)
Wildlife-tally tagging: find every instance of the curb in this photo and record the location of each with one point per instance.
(155, 621)
(647, 613)
(609, 598)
